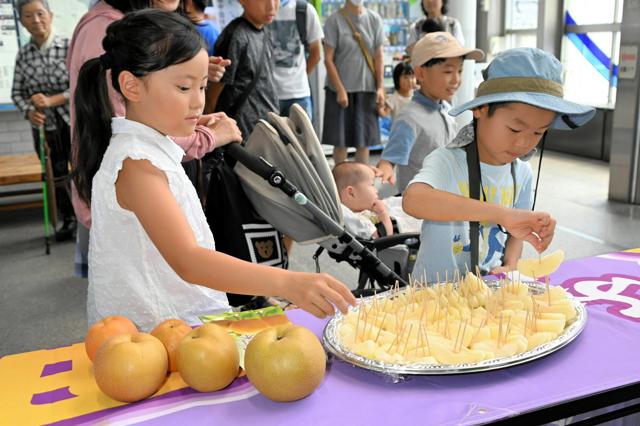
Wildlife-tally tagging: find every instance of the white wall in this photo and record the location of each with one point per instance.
(15, 134)
(465, 12)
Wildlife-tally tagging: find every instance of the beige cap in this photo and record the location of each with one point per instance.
(441, 45)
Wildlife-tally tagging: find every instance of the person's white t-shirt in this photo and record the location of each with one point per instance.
(290, 71)
(359, 224)
(127, 273)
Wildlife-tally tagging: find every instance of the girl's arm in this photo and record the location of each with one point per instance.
(143, 189)
(424, 202)
(198, 144)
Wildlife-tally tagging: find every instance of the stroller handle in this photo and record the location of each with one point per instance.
(257, 165)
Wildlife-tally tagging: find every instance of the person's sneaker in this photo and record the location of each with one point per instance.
(66, 231)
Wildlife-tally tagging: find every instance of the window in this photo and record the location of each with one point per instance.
(590, 47)
(521, 21)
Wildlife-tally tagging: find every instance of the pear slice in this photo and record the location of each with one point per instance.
(541, 267)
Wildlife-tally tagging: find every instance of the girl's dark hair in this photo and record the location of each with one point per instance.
(125, 6)
(142, 42)
(403, 68)
(443, 10)
(431, 25)
(199, 5)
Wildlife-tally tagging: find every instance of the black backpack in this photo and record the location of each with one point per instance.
(301, 23)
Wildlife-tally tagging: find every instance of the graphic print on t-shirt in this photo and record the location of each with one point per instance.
(286, 43)
(492, 240)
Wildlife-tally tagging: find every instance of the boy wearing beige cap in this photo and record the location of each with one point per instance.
(424, 123)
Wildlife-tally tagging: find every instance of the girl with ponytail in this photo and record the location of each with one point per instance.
(86, 44)
(151, 253)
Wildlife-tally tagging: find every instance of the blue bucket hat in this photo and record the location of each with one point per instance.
(531, 76)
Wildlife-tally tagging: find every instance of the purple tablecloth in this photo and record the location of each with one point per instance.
(602, 357)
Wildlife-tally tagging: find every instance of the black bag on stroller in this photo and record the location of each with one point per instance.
(237, 228)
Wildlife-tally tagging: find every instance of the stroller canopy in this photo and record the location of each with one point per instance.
(292, 145)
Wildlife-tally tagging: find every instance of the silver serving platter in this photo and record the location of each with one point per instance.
(331, 341)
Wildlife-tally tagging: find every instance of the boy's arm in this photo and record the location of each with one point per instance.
(314, 38)
(314, 55)
(397, 149)
(422, 201)
(512, 252)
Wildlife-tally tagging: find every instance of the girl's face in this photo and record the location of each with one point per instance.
(440, 81)
(167, 5)
(407, 82)
(433, 7)
(36, 19)
(171, 100)
(512, 131)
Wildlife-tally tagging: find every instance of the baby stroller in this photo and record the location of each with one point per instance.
(297, 195)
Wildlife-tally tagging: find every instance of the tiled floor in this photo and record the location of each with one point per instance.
(42, 305)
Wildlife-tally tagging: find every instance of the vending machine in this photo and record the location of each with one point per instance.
(395, 15)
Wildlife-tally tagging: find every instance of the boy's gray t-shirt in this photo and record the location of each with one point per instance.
(445, 246)
(348, 57)
(244, 48)
(420, 127)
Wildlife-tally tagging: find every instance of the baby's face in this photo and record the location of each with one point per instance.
(365, 192)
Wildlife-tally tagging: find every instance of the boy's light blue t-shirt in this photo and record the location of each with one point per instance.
(445, 246)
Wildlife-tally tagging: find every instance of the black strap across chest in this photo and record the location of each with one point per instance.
(475, 186)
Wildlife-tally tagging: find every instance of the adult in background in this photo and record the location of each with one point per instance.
(355, 87)
(295, 31)
(435, 10)
(86, 44)
(41, 92)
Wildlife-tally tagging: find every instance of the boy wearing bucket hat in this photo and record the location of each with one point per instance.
(423, 124)
(476, 194)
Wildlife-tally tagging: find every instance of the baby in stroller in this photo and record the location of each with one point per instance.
(298, 196)
(365, 215)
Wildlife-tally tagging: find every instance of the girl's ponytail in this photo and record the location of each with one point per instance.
(142, 42)
(93, 112)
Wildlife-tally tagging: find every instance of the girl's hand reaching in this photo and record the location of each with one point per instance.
(223, 127)
(317, 293)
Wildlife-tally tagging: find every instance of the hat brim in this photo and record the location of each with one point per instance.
(475, 54)
(576, 113)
